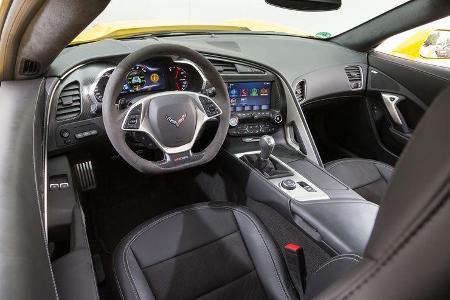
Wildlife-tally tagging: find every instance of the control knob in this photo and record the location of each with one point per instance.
(277, 118)
(234, 120)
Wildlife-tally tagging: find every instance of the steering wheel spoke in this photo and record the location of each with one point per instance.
(208, 107)
(132, 118)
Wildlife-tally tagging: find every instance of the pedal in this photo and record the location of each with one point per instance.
(86, 176)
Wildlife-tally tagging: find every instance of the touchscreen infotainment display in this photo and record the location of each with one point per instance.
(249, 96)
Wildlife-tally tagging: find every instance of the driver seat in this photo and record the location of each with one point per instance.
(206, 251)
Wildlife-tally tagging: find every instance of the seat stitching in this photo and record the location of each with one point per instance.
(193, 249)
(234, 280)
(130, 277)
(344, 160)
(41, 221)
(394, 251)
(118, 284)
(191, 209)
(366, 184)
(140, 232)
(268, 252)
(334, 260)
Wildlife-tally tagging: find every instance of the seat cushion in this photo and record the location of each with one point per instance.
(205, 251)
(369, 178)
(329, 272)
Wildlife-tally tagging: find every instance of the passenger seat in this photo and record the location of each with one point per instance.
(369, 178)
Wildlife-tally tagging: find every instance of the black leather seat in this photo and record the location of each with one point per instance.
(206, 251)
(369, 178)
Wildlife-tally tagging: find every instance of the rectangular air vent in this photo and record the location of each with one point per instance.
(354, 75)
(300, 91)
(29, 67)
(69, 102)
(224, 67)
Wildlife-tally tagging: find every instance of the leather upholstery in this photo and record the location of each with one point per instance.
(369, 178)
(206, 251)
(74, 276)
(329, 272)
(408, 255)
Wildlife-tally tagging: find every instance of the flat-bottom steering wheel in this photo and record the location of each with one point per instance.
(173, 120)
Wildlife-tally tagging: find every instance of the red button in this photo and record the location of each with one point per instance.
(292, 247)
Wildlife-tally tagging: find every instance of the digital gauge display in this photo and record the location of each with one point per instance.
(180, 77)
(144, 78)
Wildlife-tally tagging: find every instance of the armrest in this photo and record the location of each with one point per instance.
(345, 225)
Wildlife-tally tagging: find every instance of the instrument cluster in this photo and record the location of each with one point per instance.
(152, 76)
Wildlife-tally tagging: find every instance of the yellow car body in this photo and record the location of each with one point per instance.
(123, 29)
(410, 48)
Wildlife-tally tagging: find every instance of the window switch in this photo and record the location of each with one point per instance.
(64, 185)
(54, 186)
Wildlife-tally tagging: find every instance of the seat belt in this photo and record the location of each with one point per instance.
(295, 260)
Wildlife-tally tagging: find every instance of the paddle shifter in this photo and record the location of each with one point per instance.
(269, 167)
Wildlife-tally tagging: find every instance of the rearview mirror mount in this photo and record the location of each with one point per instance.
(307, 5)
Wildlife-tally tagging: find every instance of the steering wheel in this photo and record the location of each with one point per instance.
(173, 120)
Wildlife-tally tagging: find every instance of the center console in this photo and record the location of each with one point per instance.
(324, 208)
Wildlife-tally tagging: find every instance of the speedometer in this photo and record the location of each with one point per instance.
(180, 78)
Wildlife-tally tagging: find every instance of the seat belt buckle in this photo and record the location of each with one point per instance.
(295, 260)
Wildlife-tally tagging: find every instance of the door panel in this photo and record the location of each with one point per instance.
(399, 93)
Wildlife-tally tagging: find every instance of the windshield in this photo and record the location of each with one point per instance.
(228, 15)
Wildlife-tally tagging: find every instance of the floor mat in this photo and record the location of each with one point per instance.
(285, 232)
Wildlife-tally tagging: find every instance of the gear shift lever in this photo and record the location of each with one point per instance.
(267, 143)
(269, 167)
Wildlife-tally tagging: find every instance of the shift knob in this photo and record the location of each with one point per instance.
(267, 143)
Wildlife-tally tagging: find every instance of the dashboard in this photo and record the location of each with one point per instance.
(268, 79)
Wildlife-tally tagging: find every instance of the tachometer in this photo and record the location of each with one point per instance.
(180, 78)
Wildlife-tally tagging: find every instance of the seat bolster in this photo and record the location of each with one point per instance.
(355, 172)
(266, 257)
(74, 276)
(369, 178)
(131, 283)
(329, 272)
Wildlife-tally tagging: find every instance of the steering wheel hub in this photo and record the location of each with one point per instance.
(173, 119)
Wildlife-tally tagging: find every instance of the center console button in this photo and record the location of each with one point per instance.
(234, 121)
(288, 184)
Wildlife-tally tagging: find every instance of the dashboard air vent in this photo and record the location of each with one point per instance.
(300, 91)
(224, 67)
(29, 67)
(354, 75)
(69, 102)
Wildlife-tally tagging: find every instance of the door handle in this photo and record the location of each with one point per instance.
(391, 101)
